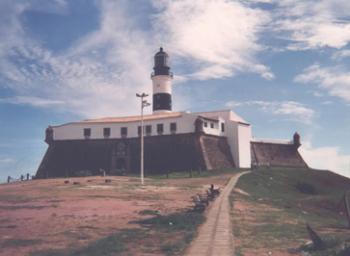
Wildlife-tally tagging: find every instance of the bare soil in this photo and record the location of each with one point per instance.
(48, 214)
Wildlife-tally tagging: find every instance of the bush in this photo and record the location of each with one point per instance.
(182, 221)
(306, 188)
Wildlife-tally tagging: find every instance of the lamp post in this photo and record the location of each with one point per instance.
(144, 104)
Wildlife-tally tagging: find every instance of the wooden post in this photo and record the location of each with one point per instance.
(191, 175)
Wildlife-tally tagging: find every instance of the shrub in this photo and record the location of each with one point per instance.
(306, 188)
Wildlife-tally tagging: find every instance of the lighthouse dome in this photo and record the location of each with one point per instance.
(161, 63)
(161, 52)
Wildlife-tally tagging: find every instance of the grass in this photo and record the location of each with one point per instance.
(287, 199)
(193, 174)
(238, 251)
(14, 243)
(282, 231)
(185, 223)
(148, 212)
(181, 221)
(281, 189)
(111, 245)
(180, 227)
(31, 207)
(14, 198)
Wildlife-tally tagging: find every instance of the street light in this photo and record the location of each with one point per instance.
(144, 104)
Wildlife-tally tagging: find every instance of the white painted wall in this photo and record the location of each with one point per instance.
(161, 84)
(244, 138)
(232, 140)
(75, 131)
(185, 124)
(216, 130)
(227, 115)
(239, 137)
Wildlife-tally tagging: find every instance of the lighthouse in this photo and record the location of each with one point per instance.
(161, 79)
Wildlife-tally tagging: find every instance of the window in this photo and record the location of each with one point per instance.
(205, 124)
(173, 127)
(139, 130)
(160, 129)
(222, 127)
(106, 132)
(148, 130)
(212, 125)
(124, 132)
(87, 133)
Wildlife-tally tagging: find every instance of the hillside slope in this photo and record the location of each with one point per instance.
(112, 215)
(272, 206)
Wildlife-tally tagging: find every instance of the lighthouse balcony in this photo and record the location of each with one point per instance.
(167, 73)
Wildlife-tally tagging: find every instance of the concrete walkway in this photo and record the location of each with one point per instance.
(215, 235)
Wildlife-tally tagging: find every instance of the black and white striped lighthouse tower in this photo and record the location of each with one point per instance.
(161, 78)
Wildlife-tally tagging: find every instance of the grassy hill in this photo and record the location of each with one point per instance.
(272, 206)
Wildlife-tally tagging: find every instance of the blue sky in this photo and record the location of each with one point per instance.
(282, 65)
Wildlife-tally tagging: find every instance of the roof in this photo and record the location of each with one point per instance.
(212, 116)
(231, 115)
(126, 119)
(214, 119)
(272, 141)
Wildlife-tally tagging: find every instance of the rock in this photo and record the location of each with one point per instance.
(316, 239)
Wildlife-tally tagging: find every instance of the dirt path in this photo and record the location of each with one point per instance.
(215, 235)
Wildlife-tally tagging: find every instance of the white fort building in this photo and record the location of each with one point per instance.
(174, 141)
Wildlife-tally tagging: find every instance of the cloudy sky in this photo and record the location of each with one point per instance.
(284, 65)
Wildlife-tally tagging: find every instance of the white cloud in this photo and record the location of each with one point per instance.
(313, 24)
(33, 101)
(326, 158)
(214, 39)
(339, 55)
(98, 75)
(101, 72)
(7, 160)
(219, 38)
(290, 110)
(334, 80)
